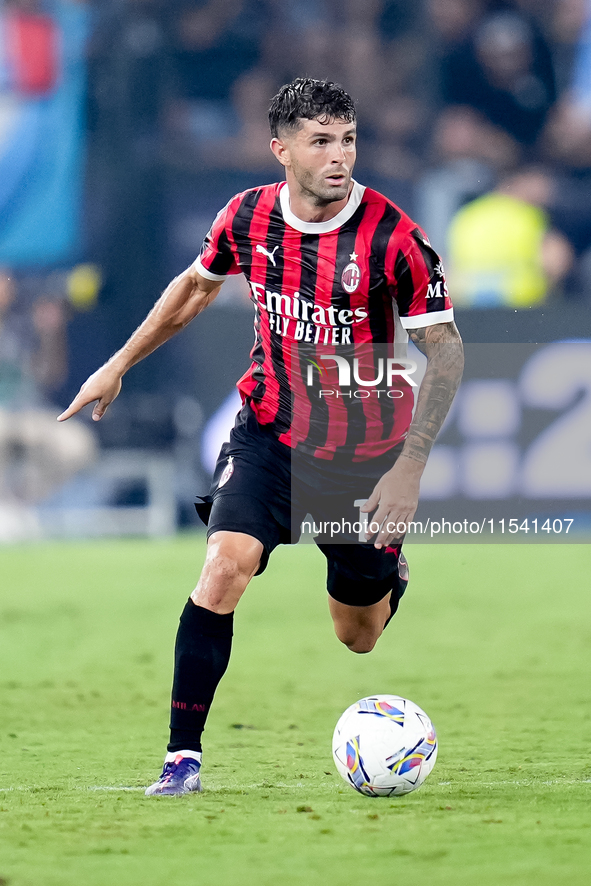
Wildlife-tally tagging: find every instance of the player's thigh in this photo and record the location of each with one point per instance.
(232, 559)
(244, 527)
(251, 487)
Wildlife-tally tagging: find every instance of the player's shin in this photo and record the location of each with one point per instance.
(202, 653)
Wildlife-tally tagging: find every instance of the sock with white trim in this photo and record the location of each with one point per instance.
(201, 656)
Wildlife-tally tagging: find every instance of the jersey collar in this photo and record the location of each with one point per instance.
(321, 227)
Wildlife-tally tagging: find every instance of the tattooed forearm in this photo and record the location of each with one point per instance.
(442, 346)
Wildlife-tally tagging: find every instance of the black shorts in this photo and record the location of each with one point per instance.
(263, 488)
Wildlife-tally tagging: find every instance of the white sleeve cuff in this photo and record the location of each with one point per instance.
(418, 321)
(197, 264)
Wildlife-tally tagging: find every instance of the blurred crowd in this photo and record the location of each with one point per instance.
(36, 455)
(475, 115)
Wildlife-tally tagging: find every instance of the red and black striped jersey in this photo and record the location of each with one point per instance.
(347, 288)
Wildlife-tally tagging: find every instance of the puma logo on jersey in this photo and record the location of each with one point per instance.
(270, 255)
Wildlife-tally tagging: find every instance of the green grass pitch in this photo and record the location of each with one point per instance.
(492, 641)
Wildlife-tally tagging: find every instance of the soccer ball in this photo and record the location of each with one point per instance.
(384, 745)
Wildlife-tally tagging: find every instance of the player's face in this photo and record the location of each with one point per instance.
(321, 157)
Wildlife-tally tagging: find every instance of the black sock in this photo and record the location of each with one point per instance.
(201, 656)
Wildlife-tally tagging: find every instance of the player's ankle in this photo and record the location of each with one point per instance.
(171, 756)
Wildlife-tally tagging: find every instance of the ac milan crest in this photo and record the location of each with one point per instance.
(227, 472)
(351, 277)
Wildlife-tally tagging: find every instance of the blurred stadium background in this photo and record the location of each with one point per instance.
(126, 125)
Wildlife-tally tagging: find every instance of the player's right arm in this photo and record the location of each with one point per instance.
(185, 297)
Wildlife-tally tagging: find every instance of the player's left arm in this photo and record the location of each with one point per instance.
(185, 297)
(396, 495)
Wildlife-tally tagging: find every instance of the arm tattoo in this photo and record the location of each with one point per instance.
(442, 346)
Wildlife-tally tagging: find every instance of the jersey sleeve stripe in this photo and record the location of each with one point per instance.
(420, 284)
(201, 269)
(418, 321)
(217, 257)
(404, 284)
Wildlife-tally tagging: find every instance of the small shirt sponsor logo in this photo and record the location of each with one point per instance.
(437, 286)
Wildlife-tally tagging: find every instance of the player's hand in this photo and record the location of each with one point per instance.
(395, 499)
(102, 386)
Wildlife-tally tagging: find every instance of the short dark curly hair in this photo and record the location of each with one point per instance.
(308, 99)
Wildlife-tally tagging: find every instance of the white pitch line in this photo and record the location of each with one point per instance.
(106, 787)
(38, 788)
(531, 783)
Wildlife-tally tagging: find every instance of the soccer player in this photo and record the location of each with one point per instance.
(338, 274)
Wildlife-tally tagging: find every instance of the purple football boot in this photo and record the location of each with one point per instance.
(179, 776)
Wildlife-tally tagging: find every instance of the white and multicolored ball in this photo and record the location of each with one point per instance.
(384, 745)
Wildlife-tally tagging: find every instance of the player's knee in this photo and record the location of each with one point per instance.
(232, 559)
(223, 580)
(220, 586)
(364, 644)
(359, 641)
(226, 568)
